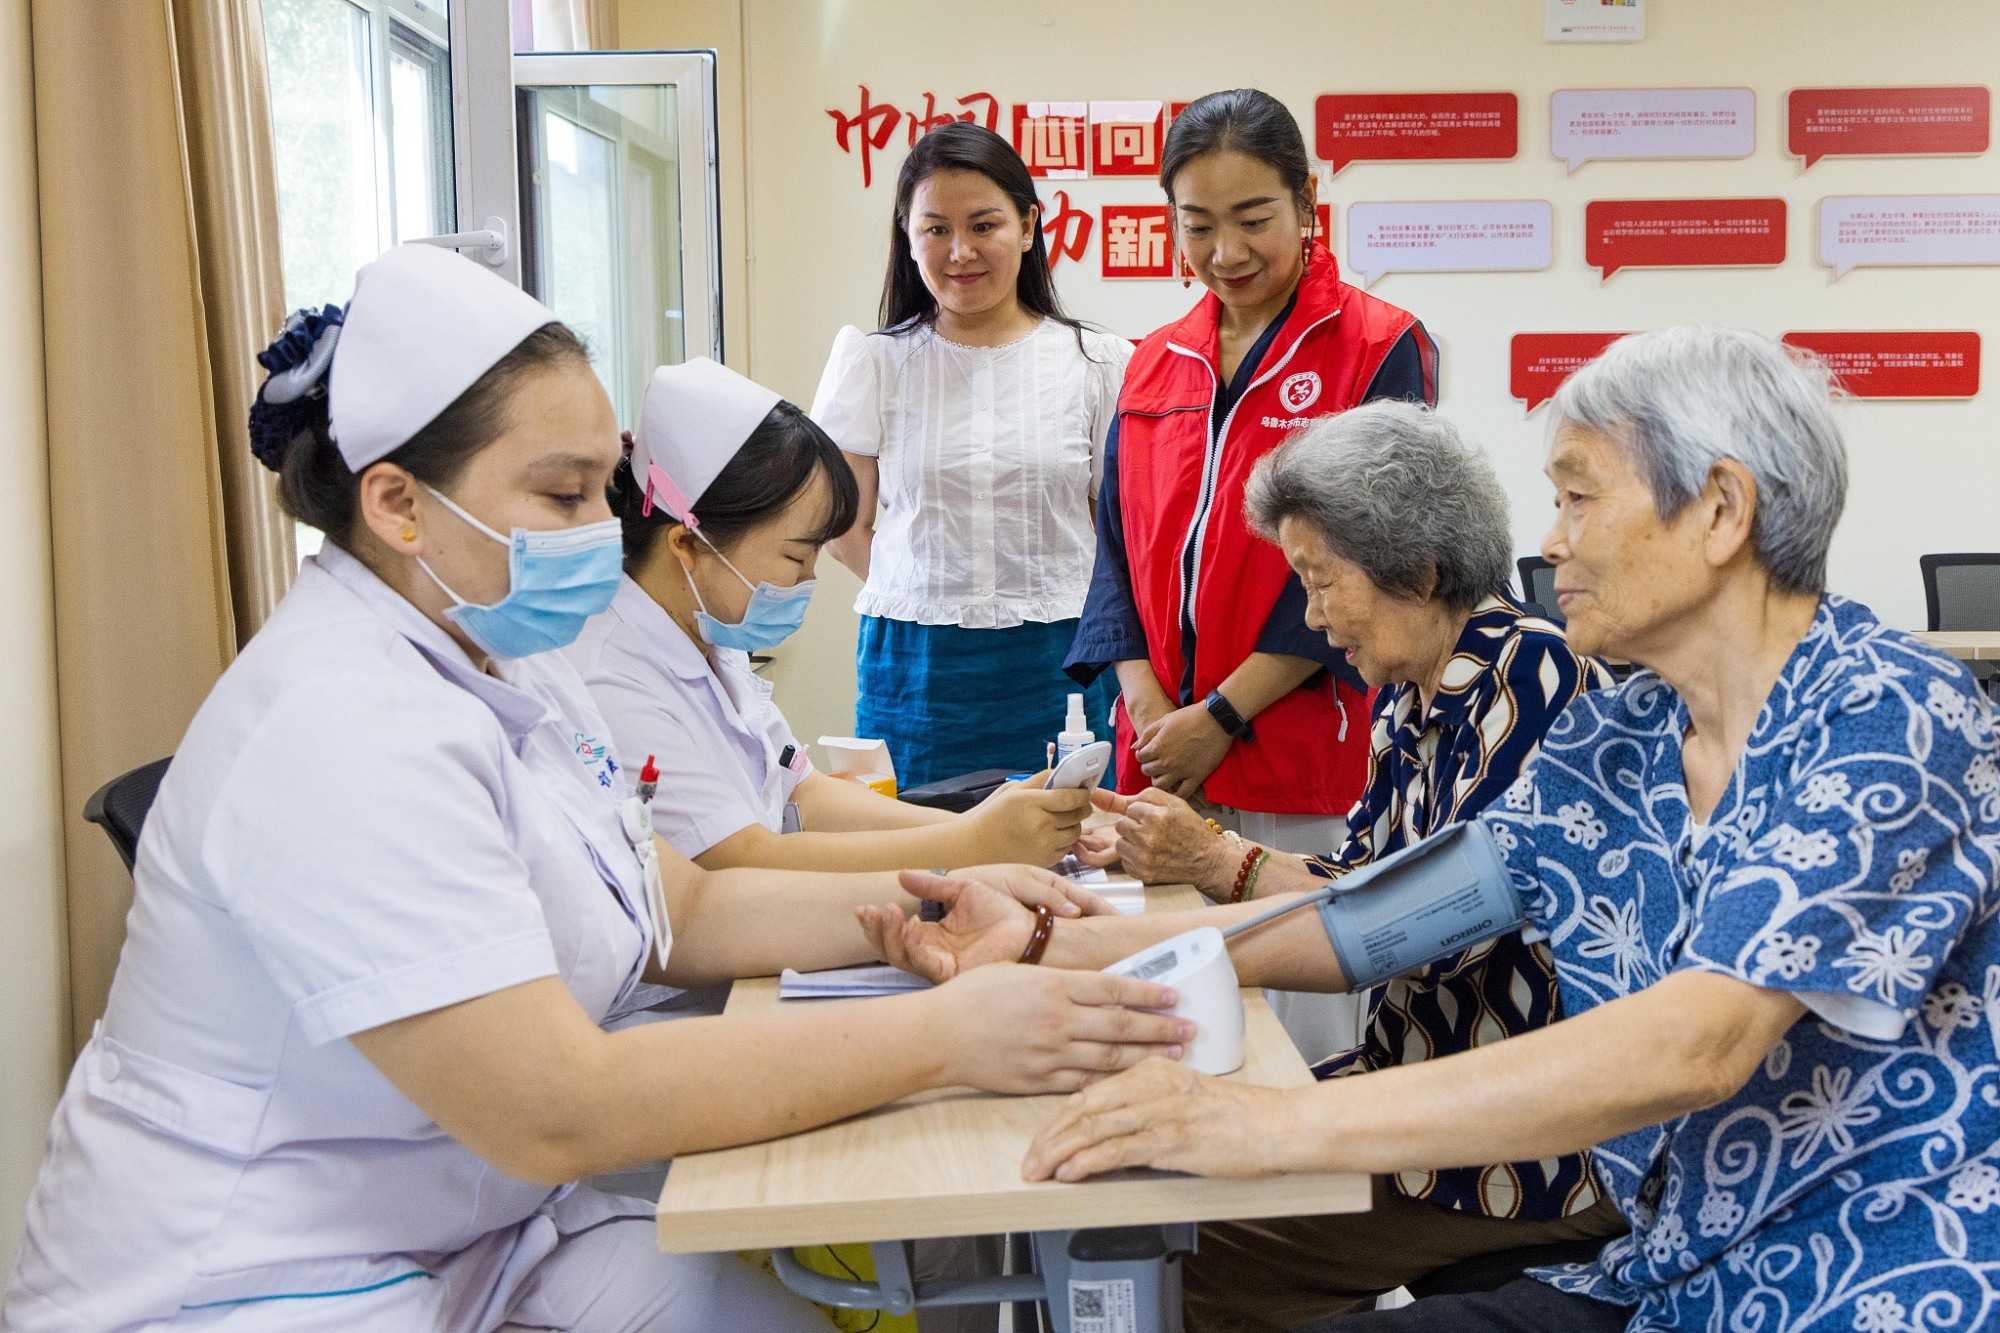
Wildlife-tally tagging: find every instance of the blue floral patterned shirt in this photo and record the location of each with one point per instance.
(1854, 1182)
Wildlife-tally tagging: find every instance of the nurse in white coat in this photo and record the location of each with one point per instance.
(726, 499)
(352, 1063)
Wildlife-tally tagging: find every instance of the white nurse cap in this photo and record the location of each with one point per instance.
(423, 326)
(696, 416)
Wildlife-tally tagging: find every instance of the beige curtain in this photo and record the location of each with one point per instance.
(575, 25)
(160, 281)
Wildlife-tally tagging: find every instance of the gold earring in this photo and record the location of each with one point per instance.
(409, 534)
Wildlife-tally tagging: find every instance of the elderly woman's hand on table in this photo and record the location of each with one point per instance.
(1162, 1114)
(1161, 840)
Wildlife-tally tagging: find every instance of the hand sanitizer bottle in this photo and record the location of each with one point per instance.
(1076, 731)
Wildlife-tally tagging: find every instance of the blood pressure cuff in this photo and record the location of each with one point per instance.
(1421, 904)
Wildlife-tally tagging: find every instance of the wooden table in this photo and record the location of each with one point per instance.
(1967, 645)
(948, 1163)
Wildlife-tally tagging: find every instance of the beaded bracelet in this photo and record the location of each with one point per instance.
(1038, 943)
(1246, 874)
(1230, 834)
(1250, 884)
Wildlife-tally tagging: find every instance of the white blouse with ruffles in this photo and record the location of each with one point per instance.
(989, 462)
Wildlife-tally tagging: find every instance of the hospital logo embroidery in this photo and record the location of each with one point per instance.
(588, 750)
(1299, 391)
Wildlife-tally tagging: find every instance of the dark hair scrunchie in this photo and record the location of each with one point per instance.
(275, 424)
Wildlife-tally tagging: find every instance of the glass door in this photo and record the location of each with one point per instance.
(619, 207)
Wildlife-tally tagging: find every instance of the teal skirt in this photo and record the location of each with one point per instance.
(950, 700)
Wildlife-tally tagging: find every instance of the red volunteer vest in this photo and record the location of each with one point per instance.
(1176, 487)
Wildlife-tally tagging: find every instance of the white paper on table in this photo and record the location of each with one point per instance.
(848, 983)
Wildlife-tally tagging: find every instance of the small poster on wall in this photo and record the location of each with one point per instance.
(1885, 363)
(1594, 20)
(1915, 230)
(1538, 363)
(1683, 233)
(1465, 236)
(1637, 124)
(1887, 122)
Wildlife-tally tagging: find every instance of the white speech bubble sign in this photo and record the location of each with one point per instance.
(1633, 124)
(1884, 230)
(1471, 236)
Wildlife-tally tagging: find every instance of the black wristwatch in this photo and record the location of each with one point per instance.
(1227, 717)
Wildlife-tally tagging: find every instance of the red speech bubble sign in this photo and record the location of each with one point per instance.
(1416, 127)
(1878, 122)
(1683, 233)
(1887, 364)
(1538, 363)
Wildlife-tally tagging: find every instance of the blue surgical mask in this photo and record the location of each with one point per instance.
(556, 580)
(773, 615)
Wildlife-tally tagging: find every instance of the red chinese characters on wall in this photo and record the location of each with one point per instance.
(876, 121)
(1137, 242)
(1125, 138)
(1068, 229)
(1051, 138)
(932, 118)
(867, 131)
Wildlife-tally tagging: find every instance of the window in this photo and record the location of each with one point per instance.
(361, 126)
(619, 224)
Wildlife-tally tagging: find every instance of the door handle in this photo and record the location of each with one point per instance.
(489, 243)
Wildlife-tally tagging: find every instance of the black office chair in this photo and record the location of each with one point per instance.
(1962, 591)
(119, 807)
(1538, 586)
(1490, 1272)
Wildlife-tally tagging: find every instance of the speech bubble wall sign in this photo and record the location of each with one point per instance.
(1916, 230)
(1416, 127)
(1683, 233)
(1538, 363)
(1643, 124)
(1886, 363)
(1462, 236)
(1887, 122)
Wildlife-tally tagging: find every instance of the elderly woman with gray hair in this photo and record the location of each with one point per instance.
(1399, 531)
(1766, 865)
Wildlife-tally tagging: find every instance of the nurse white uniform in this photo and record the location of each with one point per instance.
(358, 827)
(714, 733)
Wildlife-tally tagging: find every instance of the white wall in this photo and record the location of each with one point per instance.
(33, 1004)
(1923, 473)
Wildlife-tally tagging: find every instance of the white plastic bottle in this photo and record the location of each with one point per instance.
(1076, 731)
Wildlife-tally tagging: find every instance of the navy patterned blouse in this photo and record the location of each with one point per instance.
(1509, 675)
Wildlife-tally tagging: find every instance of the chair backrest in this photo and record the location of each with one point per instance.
(119, 807)
(1538, 585)
(1962, 589)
